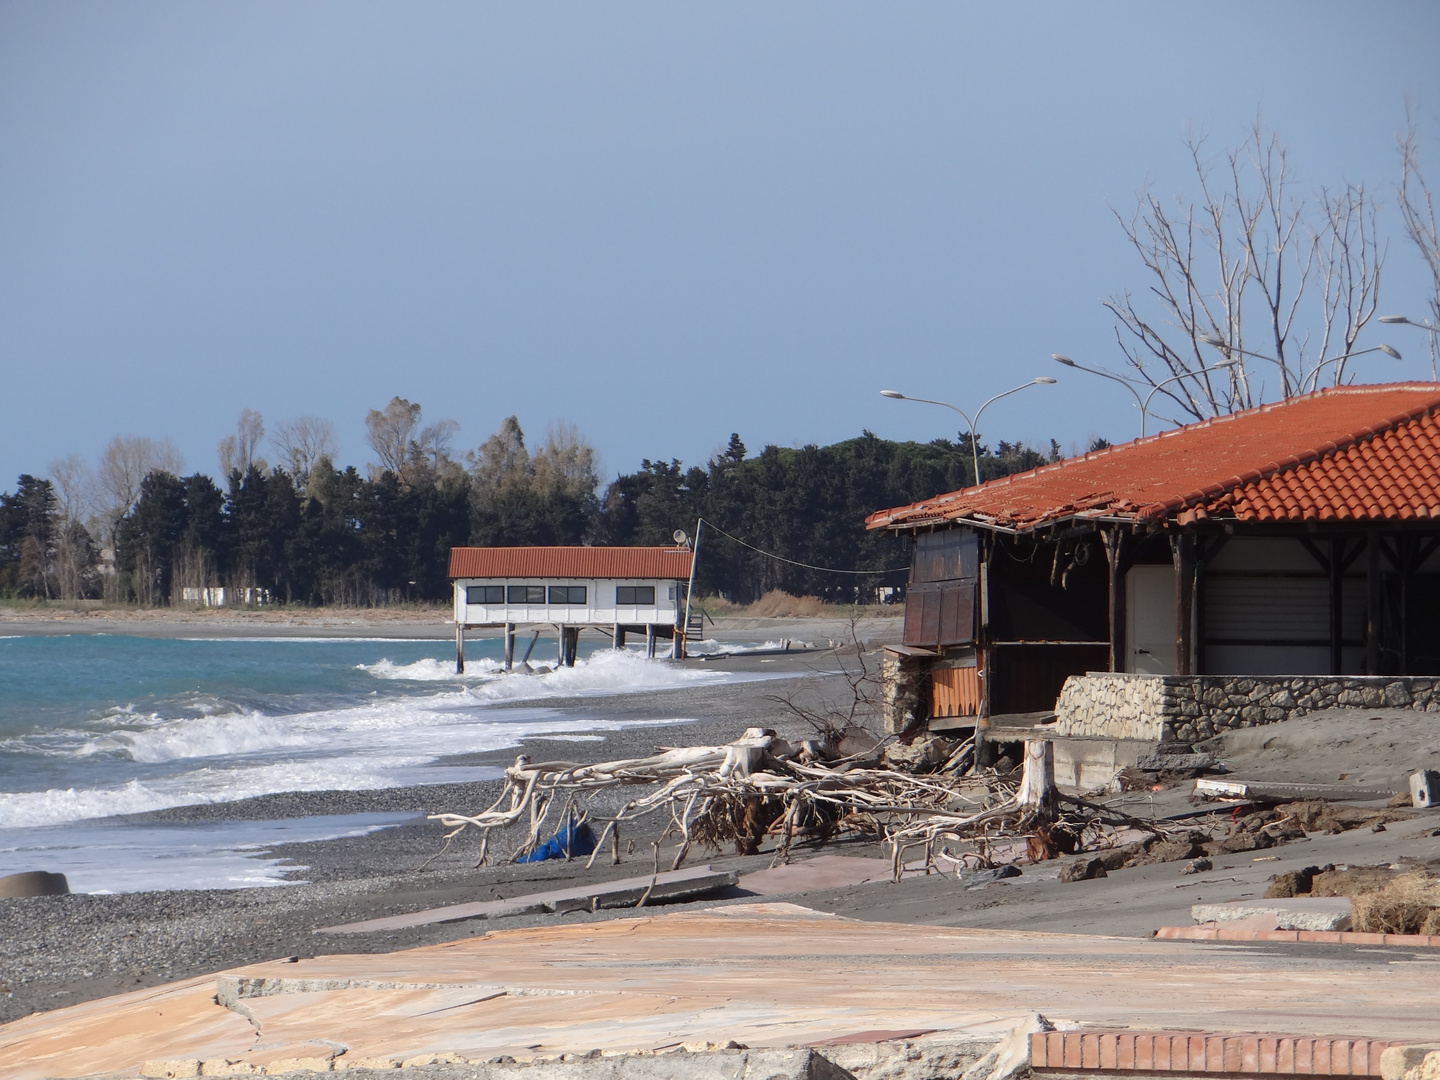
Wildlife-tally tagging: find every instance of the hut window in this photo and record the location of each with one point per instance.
(567, 594)
(634, 594)
(485, 594)
(526, 594)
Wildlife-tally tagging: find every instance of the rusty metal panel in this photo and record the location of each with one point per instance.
(940, 615)
(954, 691)
(946, 556)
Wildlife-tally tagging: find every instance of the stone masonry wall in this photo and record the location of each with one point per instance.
(1189, 708)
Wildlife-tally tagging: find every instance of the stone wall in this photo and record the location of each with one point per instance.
(1189, 708)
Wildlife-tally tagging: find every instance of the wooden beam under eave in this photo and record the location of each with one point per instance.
(1182, 553)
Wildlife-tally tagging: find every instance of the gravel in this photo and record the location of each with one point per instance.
(57, 951)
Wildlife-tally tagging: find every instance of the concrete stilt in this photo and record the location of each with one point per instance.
(650, 641)
(509, 645)
(459, 648)
(617, 641)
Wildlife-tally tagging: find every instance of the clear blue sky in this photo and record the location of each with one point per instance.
(662, 222)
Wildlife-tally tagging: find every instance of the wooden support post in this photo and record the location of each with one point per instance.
(677, 645)
(1182, 553)
(559, 645)
(1118, 556)
(459, 648)
(1038, 793)
(1336, 567)
(650, 641)
(509, 645)
(1372, 603)
(617, 639)
(1405, 555)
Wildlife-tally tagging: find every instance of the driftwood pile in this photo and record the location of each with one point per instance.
(761, 786)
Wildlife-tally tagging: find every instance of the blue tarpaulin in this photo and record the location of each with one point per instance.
(570, 840)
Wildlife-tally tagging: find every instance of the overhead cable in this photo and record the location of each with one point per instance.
(794, 562)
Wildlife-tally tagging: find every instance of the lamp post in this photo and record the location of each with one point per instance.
(1145, 408)
(1402, 320)
(1314, 377)
(1422, 325)
(974, 449)
(1059, 359)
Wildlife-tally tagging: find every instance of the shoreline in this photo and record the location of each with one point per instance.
(400, 623)
(61, 950)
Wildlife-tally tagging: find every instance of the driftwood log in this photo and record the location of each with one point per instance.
(710, 795)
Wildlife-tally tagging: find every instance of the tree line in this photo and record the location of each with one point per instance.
(306, 531)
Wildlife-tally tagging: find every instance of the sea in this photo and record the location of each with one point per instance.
(94, 727)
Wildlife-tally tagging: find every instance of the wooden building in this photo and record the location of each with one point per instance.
(615, 590)
(1291, 539)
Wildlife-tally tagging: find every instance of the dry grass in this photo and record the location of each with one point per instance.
(1408, 905)
(777, 604)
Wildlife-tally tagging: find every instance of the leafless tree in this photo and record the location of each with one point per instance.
(74, 498)
(405, 448)
(1417, 209)
(302, 443)
(433, 444)
(566, 462)
(238, 451)
(124, 463)
(1300, 274)
(390, 433)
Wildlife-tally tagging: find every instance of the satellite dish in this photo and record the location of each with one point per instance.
(679, 537)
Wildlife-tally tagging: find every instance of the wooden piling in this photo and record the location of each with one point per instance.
(459, 648)
(509, 645)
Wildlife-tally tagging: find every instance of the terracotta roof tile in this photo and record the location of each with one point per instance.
(1349, 453)
(671, 564)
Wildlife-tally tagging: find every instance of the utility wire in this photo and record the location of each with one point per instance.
(793, 562)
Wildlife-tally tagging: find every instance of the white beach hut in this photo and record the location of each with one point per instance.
(616, 590)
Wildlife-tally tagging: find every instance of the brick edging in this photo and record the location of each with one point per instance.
(1328, 937)
(1193, 1052)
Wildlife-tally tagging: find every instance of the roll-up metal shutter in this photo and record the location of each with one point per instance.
(1267, 609)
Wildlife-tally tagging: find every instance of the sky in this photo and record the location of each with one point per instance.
(660, 222)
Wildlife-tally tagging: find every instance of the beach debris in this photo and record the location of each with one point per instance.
(1425, 788)
(761, 786)
(574, 837)
(33, 883)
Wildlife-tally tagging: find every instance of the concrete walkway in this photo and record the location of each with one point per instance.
(765, 975)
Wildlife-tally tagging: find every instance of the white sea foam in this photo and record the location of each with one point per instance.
(384, 744)
(712, 647)
(105, 858)
(607, 671)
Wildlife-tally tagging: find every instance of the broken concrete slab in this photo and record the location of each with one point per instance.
(821, 872)
(626, 892)
(1293, 913)
(1418, 1061)
(1425, 788)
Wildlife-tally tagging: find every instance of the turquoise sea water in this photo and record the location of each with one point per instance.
(94, 726)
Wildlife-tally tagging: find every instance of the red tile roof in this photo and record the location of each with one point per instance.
(671, 564)
(1351, 453)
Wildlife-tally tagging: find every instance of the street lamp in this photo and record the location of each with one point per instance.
(974, 451)
(1145, 408)
(1401, 319)
(1314, 377)
(1059, 359)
